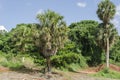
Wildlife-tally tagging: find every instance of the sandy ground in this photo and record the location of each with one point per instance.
(11, 75)
(6, 74)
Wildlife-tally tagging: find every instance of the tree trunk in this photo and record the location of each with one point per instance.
(48, 64)
(107, 53)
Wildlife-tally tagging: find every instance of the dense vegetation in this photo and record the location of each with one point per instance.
(81, 44)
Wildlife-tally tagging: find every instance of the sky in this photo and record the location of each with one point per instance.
(13, 12)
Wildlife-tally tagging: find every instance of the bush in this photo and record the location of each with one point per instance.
(38, 59)
(68, 60)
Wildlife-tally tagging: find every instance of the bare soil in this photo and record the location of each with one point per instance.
(7, 74)
(92, 70)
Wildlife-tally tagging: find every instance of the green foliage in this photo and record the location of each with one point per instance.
(69, 47)
(106, 11)
(39, 59)
(107, 73)
(75, 67)
(52, 33)
(8, 60)
(19, 39)
(67, 60)
(12, 65)
(115, 52)
(49, 37)
(2, 39)
(83, 35)
(13, 61)
(102, 33)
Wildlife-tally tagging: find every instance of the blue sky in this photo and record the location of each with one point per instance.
(13, 12)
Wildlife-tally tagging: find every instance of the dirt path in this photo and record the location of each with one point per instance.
(6, 74)
(85, 76)
(11, 75)
(17, 76)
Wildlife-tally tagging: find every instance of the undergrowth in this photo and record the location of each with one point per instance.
(18, 61)
(108, 73)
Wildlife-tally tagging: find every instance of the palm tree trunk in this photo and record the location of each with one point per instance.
(48, 64)
(107, 54)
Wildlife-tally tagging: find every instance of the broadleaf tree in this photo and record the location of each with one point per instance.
(82, 33)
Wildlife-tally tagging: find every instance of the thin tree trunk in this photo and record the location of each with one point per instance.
(107, 54)
(48, 64)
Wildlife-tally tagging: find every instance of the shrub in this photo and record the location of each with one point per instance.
(68, 60)
(38, 59)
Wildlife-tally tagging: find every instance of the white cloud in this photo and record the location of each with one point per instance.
(81, 4)
(3, 28)
(40, 11)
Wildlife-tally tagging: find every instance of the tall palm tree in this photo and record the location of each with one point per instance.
(52, 34)
(106, 35)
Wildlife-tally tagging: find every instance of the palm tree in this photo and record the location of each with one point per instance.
(106, 34)
(52, 34)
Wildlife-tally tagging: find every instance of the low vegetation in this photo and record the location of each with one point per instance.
(108, 73)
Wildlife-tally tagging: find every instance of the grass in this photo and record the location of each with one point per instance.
(115, 62)
(12, 65)
(74, 67)
(108, 73)
(16, 62)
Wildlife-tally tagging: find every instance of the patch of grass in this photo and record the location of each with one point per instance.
(12, 65)
(74, 67)
(107, 73)
(115, 62)
(71, 67)
(16, 62)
